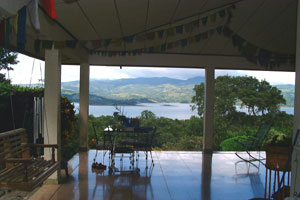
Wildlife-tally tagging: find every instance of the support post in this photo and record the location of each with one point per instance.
(84, 106)
(52, 115)
(208, 126)
(295, 187)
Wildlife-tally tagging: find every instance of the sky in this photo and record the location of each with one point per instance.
(30, 70)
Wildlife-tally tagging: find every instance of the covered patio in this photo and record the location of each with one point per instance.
(219, 34)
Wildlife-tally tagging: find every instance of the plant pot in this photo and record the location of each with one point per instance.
(277, 157)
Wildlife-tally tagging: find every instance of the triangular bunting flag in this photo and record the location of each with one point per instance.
(106, 42)
(129, 39)
(71, 44)
(163, 47)
(21, 35)
(161, 33)
(47, 44)
(49, 7)
(183, 42)
(219, 29)
(222, 13)
(34, 14)
(179, 29)
(204, 20)
(37, 46)
(198, 37)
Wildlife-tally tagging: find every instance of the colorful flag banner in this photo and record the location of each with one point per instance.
(47, 44)
(37, 46)
(21, 35)
(129, 39)
(106, 42)
(219, 29)
(71, 44)
(204, 20)
(179, 29)
(198, 37)
(49, 7)
(34, 14)
(161, 33)
(222, 13)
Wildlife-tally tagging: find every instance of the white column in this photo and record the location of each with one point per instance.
(208, 126)
(295, 188)
(84, 106)
(52, 95)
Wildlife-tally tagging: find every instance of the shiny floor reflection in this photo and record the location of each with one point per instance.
(176, 175)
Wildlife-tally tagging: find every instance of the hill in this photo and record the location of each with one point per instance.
(135, 90)
(131, 91)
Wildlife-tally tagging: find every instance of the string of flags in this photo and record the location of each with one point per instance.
(14, 28)
(16, 25)
(168, 32)
(257, 55)
(150, 36)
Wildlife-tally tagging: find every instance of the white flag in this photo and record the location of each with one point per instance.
(33, 9)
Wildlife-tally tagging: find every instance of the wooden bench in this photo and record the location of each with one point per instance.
(18, 170)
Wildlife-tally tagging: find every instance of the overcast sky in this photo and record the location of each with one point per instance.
(23, 70)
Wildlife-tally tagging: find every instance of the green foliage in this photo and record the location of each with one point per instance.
(7, 58)
(16, 104)
(279, 139)
(146, 115)
(233, 144)
(257, 96)
(69, 138)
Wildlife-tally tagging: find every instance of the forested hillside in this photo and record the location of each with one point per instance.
(148, 90)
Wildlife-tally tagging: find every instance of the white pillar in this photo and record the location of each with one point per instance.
(84, 106)
(295, 188)
(208, 126)
(52, 97)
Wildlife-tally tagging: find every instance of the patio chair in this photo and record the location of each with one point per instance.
(255, 143)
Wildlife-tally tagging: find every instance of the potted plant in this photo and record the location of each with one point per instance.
(277, 150)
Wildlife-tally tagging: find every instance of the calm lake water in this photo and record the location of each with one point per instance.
(169, 110)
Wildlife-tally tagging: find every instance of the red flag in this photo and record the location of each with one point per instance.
(50, 8)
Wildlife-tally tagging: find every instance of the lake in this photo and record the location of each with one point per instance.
(169, 110)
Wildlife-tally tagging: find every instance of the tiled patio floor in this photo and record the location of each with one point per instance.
(176, 175)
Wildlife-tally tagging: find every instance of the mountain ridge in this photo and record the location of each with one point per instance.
(132, 91)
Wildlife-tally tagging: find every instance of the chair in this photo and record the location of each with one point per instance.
(255, 143)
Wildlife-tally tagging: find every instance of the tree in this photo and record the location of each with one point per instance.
(257, 96)
(7, 58)
(147, 114)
